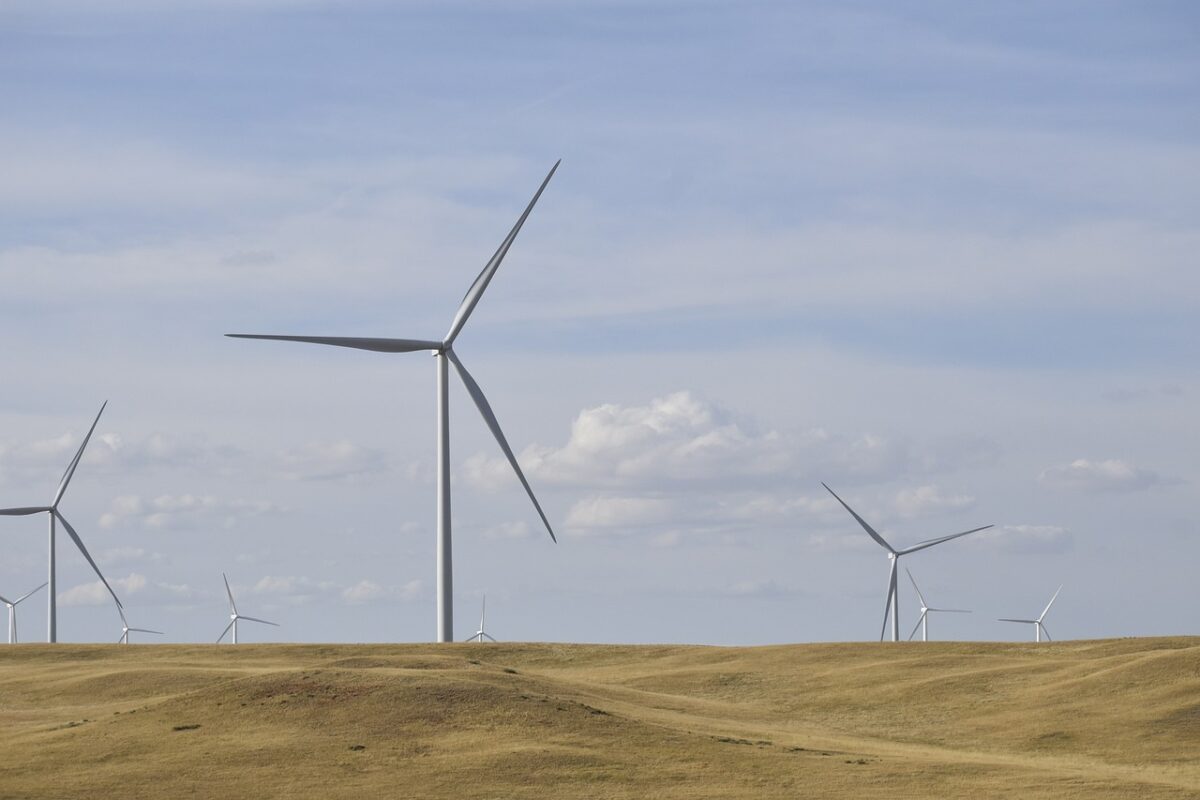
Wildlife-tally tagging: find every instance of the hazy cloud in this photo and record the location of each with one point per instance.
(177, 512)
(324, 461)
(1110, 475)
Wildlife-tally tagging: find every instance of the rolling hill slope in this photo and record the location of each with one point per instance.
(1115, 718)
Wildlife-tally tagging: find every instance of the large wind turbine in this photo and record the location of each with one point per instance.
(1038, 627)
(923, 622)
(481, 634)
(892, 606)
(234, 616)
(12, 613)
(125, 629)
(443, 352)
(54, 513)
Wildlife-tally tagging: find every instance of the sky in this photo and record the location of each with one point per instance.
(940, 256)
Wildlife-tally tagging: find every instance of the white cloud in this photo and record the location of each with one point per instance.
(367, 591)
(177, 512)
(508, 530)
(94, 593)
(925, 500)
(1027, 539)
(292, 586)
(1110, 475)
(322, 461)
(629, 513)
(680, 441)
(148, 591)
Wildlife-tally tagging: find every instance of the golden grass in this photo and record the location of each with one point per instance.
(1103, 719)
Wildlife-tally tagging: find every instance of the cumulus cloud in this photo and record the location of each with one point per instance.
(681, 441)
(176, 512)
(324, 461)
(1110, 475)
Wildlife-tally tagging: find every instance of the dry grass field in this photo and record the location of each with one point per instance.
(1101, 719)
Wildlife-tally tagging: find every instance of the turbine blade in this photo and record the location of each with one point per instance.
(1047, 608)
(22, 512)
(471, 298)
(494, 425)
(70, 473)
(121, 638)
(488, 635)
(229, 592)
(222, 636)
(917, 627)
(358, 343)
(146, 630)
(124, 622)
(256, 619)
(952, 610)
(939, 540)
(874, 534)
(1026, 621)
(914, 583)
(6, 602)
(79, 543)
(1046, 632)
(28, 594)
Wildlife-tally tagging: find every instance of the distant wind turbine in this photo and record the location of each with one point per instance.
(234, 616)
(443, 352)
(12, 613)
(923, 622)
(55, 514)
(125, 629)
(1038, 627)
(481, 634)
(892, 605)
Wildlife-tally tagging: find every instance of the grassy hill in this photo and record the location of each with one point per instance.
(1102, 719)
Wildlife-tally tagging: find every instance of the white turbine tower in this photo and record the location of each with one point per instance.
(55, 514)
(923, 622)
(481, 634)
(892, 605)
(444, 354)
(234, 616)
(125, 629)
(12, 613)
(1038, 627)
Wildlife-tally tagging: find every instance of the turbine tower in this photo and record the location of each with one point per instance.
(923, 622)
(12, 613)
(55, 514)
(1038, 627)
(125, 629)
(234, 616)
(481, 634)
(443, 352)
(892, 605)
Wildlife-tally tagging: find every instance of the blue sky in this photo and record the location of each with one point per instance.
(940, 256)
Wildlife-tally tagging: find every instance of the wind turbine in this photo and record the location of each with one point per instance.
(234, 616)
(1038, 627)
(54, 513)
(12, 613)
(923, 622)
(892, 605)
(481, 633)
(125, 629)
(443, 352)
